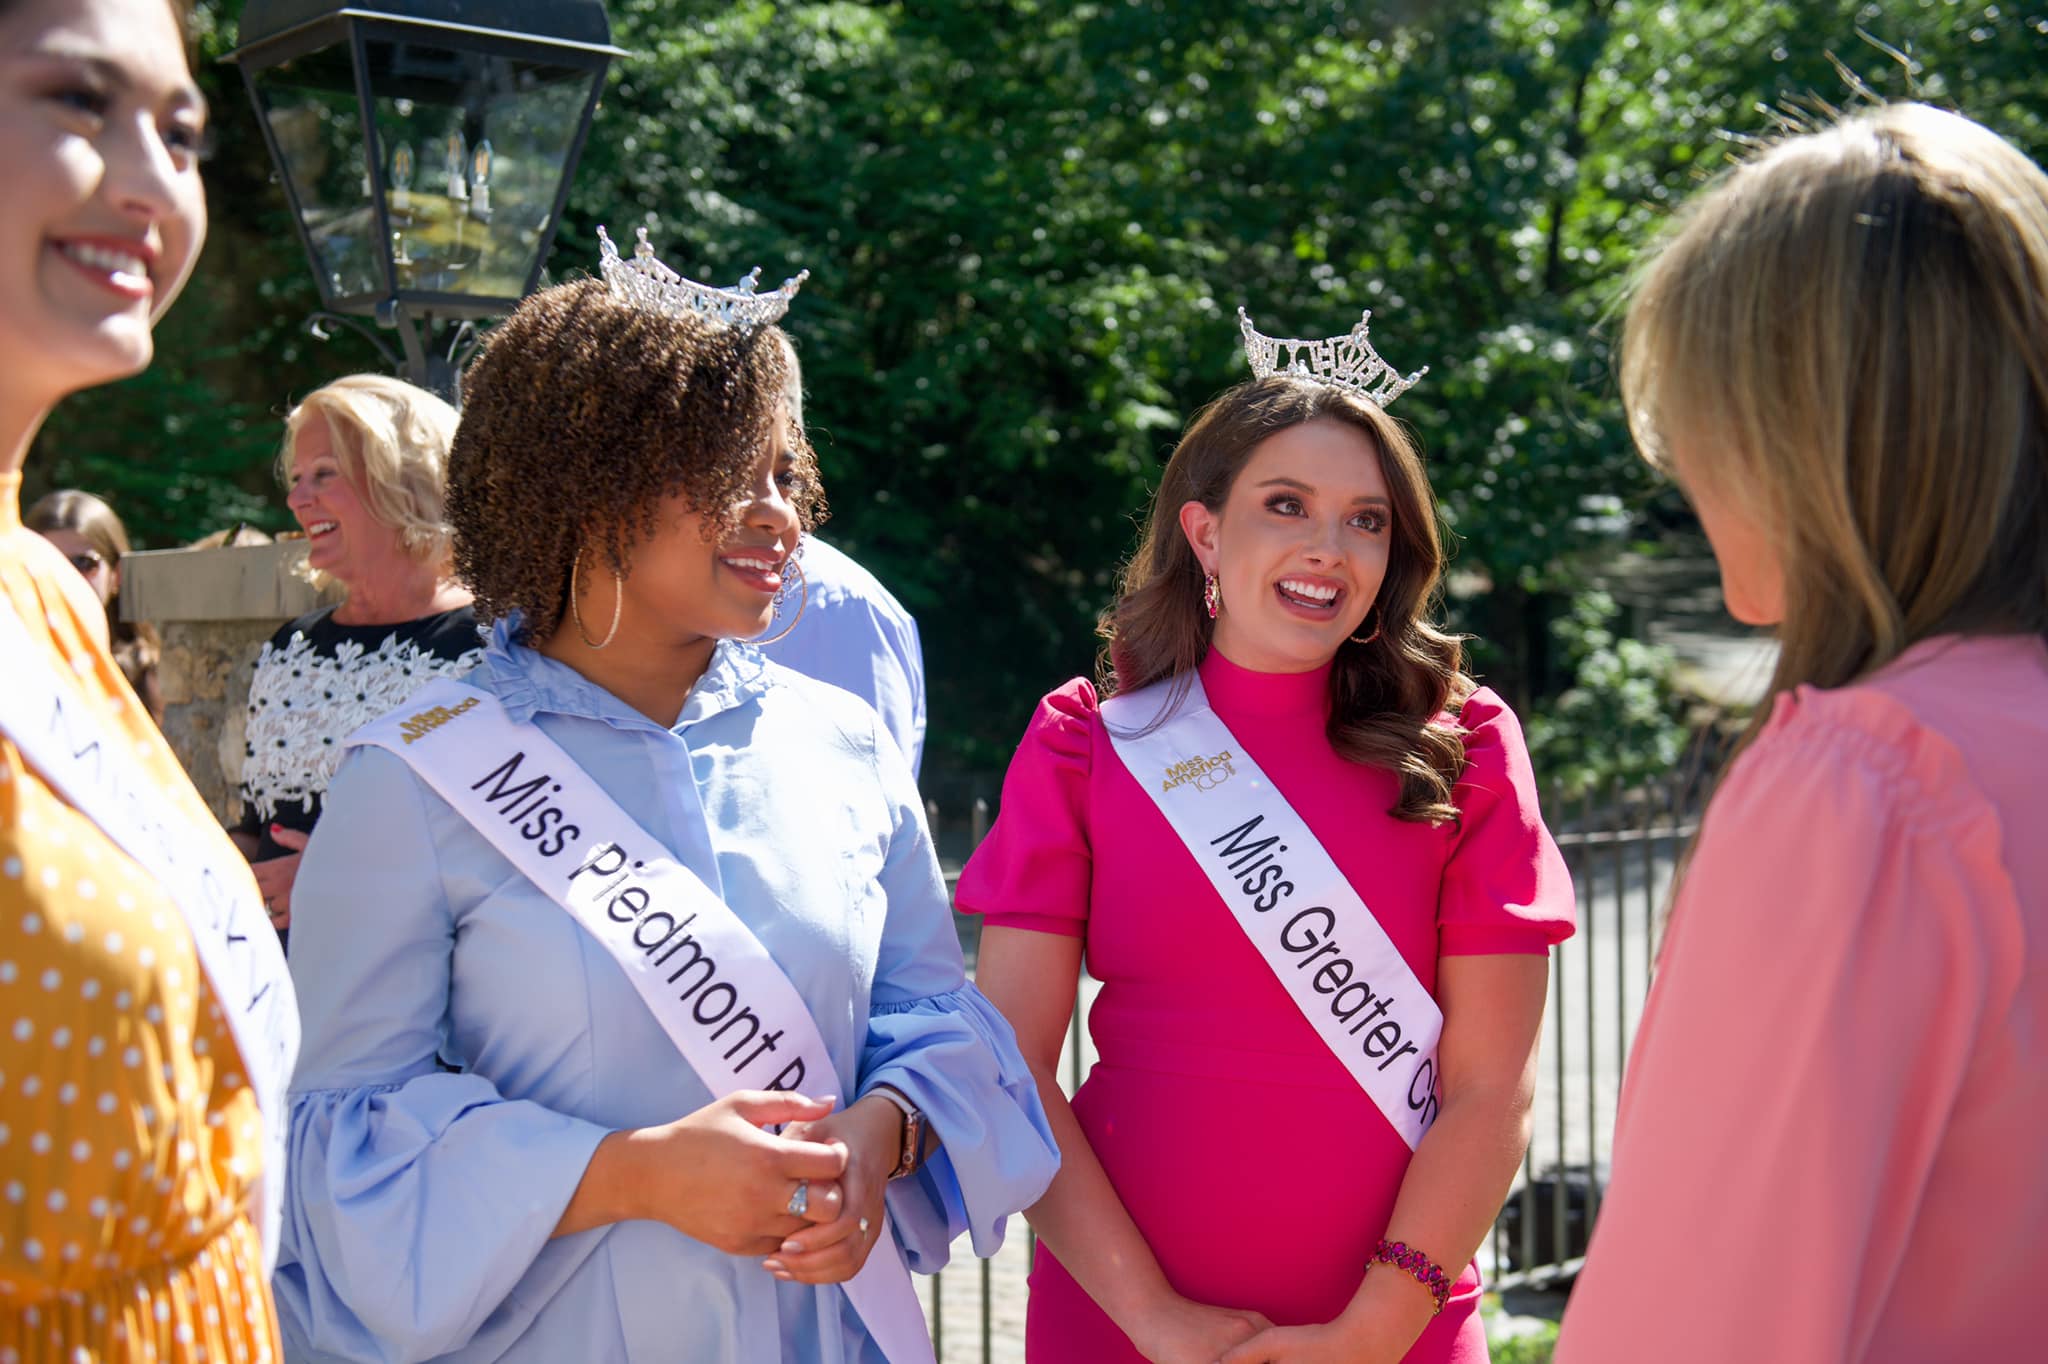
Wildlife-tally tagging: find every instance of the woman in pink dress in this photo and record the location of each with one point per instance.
(1227, 1182)
(1830, 1145)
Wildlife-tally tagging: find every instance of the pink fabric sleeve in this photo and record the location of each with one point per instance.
(1505, 888)
(1806, 1037)
(1034, 868)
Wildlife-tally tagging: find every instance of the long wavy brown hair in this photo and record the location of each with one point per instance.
(1388, 698)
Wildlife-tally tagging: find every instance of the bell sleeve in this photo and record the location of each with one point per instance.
(416, 1198)
(1506, 888)
(1034, 869)
(932, 1036)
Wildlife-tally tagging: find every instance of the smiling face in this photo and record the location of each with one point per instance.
(100, 130)
(1299, 547)
(683, 587)
(343, 537)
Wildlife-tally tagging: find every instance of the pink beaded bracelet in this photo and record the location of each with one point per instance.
(1418, 1266)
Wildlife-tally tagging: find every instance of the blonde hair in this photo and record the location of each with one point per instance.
(1851, 330)
(391, 440)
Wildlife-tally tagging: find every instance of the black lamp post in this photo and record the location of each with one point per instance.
(426, 147)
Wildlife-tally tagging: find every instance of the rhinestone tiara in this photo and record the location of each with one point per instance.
(1347, 361)
(646, 283)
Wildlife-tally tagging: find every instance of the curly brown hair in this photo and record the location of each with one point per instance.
(580, 416)
(1386, 695)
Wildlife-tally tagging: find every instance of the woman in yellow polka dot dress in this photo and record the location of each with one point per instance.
(141, 1028)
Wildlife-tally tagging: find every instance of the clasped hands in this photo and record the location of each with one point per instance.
(1186, 1332)
(720, 1177)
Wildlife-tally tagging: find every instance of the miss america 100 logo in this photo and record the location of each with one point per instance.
(1206, 773)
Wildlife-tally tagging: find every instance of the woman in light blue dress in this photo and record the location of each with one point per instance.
(497, 1153)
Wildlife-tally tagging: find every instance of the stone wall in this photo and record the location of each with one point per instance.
(214, 608)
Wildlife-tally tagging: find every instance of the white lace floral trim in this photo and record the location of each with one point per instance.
(302, 704)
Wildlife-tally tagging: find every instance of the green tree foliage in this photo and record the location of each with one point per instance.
(1029, 225)
(1619, 720)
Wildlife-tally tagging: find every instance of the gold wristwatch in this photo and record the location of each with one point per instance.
(913, 1130)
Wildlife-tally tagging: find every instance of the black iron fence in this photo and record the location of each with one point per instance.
(1623, 847)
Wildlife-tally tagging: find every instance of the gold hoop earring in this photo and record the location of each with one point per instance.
(576, 607)
(803, 582)
(1373, 636)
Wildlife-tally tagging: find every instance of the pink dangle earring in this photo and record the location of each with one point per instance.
(1212, 595)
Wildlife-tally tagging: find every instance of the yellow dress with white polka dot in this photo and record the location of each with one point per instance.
(130, 1146)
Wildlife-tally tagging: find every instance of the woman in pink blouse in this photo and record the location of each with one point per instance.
(1831, 1130)
(1228, 1180)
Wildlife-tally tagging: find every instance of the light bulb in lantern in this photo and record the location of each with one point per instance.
(480, 179)
(456, 163)
(401, 178)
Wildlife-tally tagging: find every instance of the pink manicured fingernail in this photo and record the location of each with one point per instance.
(790, 1247)
(772, 1266)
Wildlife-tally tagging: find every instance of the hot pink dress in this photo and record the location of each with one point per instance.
(1258, 1172)
(1831, 1146)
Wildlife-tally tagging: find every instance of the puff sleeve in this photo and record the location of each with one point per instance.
(1034, 869)
(1505, 886)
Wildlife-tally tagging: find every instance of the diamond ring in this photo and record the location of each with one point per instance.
(800, 1201)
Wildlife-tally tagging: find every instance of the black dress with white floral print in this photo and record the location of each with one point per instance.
(318, 682)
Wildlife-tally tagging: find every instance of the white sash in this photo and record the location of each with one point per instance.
(721, 998)
(1317, 936)
(52, 725)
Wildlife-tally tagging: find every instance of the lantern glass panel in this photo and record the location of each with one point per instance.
(316, 121)
(475, 148)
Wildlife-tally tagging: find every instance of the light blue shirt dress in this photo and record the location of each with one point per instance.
(421, 1198)
(855, 634)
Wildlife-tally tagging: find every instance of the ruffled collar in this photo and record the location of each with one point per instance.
(529, 682)
(10, 501)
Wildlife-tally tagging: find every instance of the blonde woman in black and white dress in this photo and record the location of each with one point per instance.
(365, 466)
